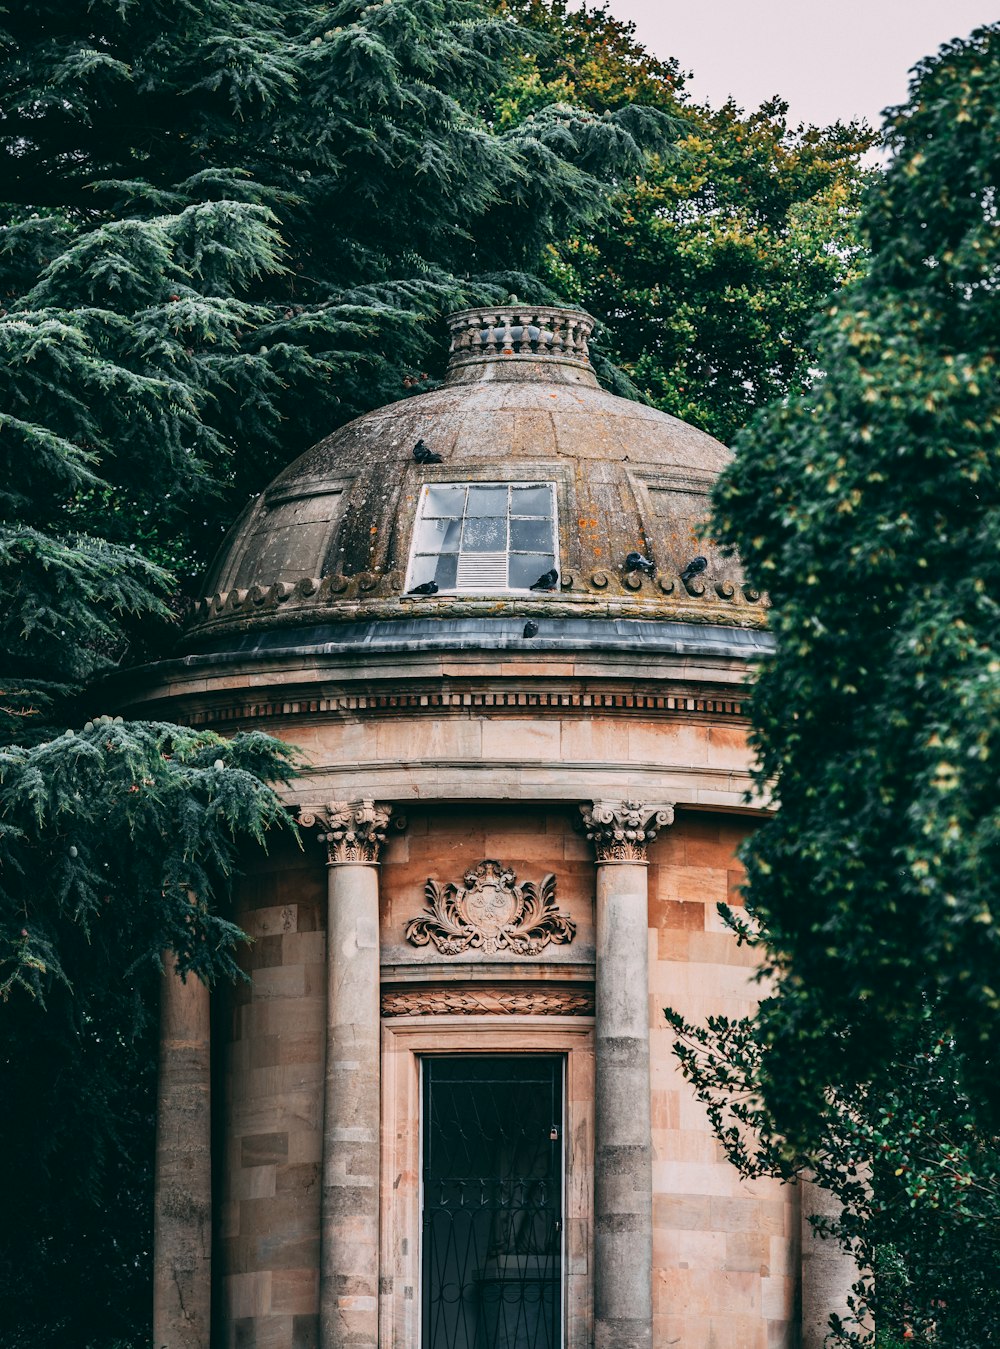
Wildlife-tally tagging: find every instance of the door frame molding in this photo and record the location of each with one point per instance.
(404, 1041)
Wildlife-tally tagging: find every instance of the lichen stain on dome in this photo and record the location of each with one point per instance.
(330, 539)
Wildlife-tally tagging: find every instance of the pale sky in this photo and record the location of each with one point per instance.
(847, 59)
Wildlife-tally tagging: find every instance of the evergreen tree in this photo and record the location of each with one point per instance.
(225, 227)
(869, 507)
(233, 225)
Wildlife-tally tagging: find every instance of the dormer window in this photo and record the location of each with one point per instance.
(484, 536)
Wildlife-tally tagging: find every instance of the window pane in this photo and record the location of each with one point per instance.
(484, 534)
(531, 501)
(437, 536)
(487, 501)
(527, 568)
(427, 567)
(447, 566)
(444, 501)
(422, 570)
(530, 536)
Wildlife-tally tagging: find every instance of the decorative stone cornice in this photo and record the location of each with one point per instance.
(488, 1000)
(370, 596)
(491, 913)
(353, 831)
(620, 830)
(436, 701)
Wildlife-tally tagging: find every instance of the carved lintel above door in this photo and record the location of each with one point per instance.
(490, 912)
(488, 1000)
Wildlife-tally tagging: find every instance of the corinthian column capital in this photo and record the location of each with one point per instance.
(620, 830)
(353, 831)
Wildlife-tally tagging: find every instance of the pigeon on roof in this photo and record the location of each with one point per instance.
(694, 568)
(423, 454)
(547, 581)
(636, 562)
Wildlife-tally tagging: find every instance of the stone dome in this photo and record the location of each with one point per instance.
(332, 539)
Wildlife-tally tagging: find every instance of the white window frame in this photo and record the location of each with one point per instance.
(475, 586)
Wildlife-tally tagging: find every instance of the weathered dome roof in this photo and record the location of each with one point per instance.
(330, 539)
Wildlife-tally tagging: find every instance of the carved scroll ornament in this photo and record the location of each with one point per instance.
(353, 831)
(479, 1001)
(620, 830)
(491, 913)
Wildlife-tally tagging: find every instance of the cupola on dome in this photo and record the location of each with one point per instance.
(518, 487)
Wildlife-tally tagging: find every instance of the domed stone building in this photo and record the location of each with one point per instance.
(443, 1111)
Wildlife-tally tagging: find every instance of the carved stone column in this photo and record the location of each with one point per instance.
(623, 1175)
(353, 833)
(182, 1204)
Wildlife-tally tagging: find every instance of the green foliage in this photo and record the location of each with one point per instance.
(715, 259)
(918, 1178)
(232, 225)
(868, 506)
(226, 226)
(585, 57)
(139, 816)
(117, 842)
(720, 257)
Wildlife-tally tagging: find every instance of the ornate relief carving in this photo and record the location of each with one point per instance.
(487, 1000)
(491, 913)
(620, 830)
(353, 831)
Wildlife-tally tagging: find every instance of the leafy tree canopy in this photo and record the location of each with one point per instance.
(587, 58)
(117, 841)
(714, 261)
(915, 1173)
(868, 505)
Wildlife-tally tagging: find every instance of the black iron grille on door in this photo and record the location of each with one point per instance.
(492, 1202)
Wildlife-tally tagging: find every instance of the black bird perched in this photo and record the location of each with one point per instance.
(636, 562)
(530, 629)
(546, 582)
(428, 588)
(694, 568)
(423, 455)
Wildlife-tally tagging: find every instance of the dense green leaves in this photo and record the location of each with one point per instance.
(869, 507)
(714, 260)
(230, 226)
(117, 841)
(138, 809)
(917, 1176)
(719, 258)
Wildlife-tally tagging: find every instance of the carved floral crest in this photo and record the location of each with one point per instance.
(491, 913)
